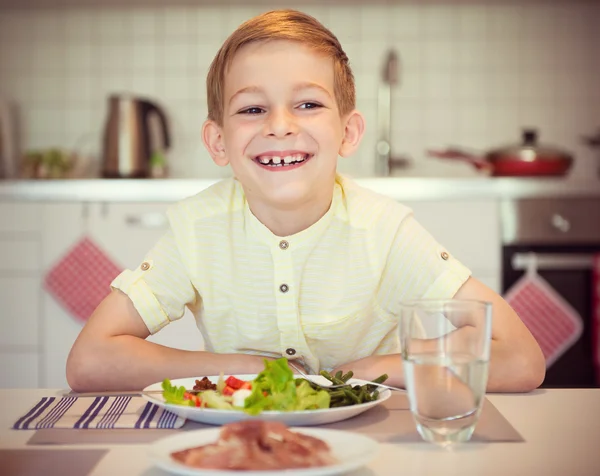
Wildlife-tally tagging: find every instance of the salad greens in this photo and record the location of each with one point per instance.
(175, 395)
(275, 388)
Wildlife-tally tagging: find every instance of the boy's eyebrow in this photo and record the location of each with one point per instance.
(247, 89)
(309, 85)
(298, 87)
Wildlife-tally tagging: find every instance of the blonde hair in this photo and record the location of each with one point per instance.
(288, 25)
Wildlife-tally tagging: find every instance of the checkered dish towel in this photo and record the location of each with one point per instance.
(124, 411)
(81, 279)
(553, 322)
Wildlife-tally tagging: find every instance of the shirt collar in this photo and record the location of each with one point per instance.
(303, 237)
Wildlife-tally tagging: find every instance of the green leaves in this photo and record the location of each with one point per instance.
(275, 389)
(174, 395)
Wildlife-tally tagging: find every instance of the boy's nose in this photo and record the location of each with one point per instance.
(280, 123)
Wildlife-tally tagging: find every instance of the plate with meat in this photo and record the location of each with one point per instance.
(258, 447)
(272, 395)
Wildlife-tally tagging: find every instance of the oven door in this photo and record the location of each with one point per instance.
(564, 235)
(568, 269)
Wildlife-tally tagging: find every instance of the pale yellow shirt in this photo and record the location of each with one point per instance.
(328, 295)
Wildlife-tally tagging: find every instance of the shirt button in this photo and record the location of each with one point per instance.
(284, 288)
(445, 255)
(284, 245)
(290, 351)
(145, 266)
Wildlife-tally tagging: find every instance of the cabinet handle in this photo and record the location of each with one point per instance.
(147, 220)
(560, 223)
(552, 261)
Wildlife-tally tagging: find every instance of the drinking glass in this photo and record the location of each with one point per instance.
(445, 352)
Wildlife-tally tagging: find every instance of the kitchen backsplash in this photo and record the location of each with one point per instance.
(472, 73)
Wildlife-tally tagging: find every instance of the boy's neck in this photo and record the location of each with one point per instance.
(287, 221)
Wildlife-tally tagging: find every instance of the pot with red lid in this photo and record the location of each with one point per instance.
(526, 159)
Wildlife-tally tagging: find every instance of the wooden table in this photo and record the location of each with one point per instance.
(561, 428)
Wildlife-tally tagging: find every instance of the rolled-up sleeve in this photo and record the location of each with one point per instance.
(419, 267)
(159, 287)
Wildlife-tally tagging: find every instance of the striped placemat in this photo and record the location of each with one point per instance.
(123, 411)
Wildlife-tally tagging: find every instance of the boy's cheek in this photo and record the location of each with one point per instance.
(241, 128)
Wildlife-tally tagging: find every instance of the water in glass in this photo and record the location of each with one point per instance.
(446, 347)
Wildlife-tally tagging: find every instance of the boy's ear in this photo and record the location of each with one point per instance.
(212, 135)
(353, 133)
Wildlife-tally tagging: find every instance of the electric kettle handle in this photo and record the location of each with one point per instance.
(151, 107)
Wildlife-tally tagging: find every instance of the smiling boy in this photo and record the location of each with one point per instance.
(288, 257)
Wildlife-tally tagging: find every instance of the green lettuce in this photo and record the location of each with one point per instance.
(275, 389)
(174, 395)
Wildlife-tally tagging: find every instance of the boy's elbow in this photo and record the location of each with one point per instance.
(78, 376)
(532, 369)
(534, 376)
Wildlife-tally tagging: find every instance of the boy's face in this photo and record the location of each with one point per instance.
(282, 131)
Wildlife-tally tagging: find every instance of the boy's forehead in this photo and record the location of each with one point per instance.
(260, 59)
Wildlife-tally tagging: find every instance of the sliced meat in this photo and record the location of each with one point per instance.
(258, 445)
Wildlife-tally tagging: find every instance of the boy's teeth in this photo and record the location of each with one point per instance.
(275, 161)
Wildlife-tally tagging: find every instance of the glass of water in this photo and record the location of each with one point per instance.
(445, 352)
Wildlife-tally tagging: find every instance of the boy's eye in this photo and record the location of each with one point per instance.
(252, 110)
(310, 105)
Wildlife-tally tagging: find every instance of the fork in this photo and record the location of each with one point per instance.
(332, 386)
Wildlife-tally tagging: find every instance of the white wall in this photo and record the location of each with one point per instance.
(473, 73)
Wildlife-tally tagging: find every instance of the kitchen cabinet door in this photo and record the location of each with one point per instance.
(20, 264)
(470, 230)
(124, 232)
(19, 369)
(63, 225)
(127, 231)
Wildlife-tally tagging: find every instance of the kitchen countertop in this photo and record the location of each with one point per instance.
(402, 189)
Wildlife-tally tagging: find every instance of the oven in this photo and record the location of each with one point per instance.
(561, 238)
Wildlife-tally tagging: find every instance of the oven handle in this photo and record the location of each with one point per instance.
(552, 261)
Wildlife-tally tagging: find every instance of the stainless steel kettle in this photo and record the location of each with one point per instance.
(9, 167)
(128, 142)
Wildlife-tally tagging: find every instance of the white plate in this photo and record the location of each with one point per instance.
(352, 450)
(297, 418)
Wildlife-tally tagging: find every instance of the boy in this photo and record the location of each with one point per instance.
(288, 258)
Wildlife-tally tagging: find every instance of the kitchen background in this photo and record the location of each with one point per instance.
(471, 73)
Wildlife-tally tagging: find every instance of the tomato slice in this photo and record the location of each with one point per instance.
(228, 390)
(194, 398)
(234, 382)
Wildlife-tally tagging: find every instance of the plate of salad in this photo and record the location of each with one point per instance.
(275, 394)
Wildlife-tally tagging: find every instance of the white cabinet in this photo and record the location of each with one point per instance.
(470, 230)
(19, 369)
(20, 301)
(20, 294)
(127, 231)
(124, 232)
(63, 225)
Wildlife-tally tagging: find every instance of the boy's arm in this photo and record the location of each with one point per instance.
(516, 361)
(111, 353)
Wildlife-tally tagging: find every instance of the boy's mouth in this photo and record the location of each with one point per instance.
(282, 161)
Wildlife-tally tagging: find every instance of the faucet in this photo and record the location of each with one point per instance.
(386, 162)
